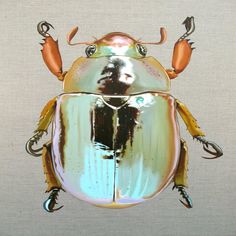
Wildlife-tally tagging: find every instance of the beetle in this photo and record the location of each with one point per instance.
(115, 137)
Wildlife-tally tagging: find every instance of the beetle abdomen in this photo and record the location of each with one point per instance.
(115, 151)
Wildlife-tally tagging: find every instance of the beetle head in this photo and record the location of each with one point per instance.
(116, 44)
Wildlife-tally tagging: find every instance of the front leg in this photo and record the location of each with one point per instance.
(196, 132)
(182, 50)
(50, 51)
(42, 127)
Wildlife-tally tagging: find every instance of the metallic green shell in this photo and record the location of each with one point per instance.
(116, 75)
(115, 151)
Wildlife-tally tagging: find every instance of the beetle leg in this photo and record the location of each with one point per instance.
(49, 172)
(50, 203)
(43, 27)
(50, 52)
(189, 26)
(46, 115)
(44, 121)
(182, 50)
(196, 132)
(53, 184)
(181, 178)
(187, 201)
(189, 120)
(218, 151)
(30, 143)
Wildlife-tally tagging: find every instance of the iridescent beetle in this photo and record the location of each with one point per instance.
(115, 135)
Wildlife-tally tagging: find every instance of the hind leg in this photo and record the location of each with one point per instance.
(181, 178)
(53, 184)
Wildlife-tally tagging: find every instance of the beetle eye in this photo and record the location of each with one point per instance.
(141, 49)
(90, 50)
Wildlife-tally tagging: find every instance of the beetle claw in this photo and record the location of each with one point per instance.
(50, 203)
(217, 150)
(188, 204)
(34, 140)
(43, 27)
(189, 26)
(186, 201)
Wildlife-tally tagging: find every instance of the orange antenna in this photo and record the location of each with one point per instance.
(72, 34)
(163, 38)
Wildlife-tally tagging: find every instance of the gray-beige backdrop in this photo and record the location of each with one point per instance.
(207, 87)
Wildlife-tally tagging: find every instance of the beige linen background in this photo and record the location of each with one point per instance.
(207, 87)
